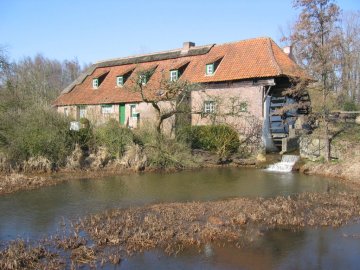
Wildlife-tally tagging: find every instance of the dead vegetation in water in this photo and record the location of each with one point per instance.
(177, 225)
(21, 255)
(108, 237)
(17, 181)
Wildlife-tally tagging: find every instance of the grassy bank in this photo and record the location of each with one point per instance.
(111, 149)
(346, 148)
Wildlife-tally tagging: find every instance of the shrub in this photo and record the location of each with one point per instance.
(350, 106)
(85, 123)
(163, 152)
(183, 134)
(114, 137)
(85, 136)
(37, 132)
(221, 139)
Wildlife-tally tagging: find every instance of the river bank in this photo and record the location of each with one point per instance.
(346, 171)
(17, 181)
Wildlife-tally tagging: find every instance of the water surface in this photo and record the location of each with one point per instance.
(36, 213)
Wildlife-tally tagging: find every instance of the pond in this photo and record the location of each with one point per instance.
(36, 213)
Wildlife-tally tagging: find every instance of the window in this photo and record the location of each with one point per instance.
(209, 107)
(120, 81)
(95, 83)
(66, 112)
(82, 112)
(212, 65)
(174, 75)
(243, 106)
(133, 112)
(143, 79)
(107, 108)
(238, 106)
(210, 69)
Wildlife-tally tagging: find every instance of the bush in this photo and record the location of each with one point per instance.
(221, 139)
(85, 136)
(39, 132)
(350, 106)
(114, 137)
(163, 152)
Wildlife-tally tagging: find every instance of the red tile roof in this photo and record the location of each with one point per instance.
(247, 59)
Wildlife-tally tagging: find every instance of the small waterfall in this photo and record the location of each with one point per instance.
(285, 165)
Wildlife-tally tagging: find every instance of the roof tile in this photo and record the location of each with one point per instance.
(253, 58)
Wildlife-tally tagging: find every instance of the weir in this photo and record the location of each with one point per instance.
(285, 165)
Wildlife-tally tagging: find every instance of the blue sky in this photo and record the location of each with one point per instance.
(96, 30)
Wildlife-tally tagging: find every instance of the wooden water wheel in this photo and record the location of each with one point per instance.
(281, 119)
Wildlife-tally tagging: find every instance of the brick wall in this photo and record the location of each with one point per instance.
(147, 115)
(228, 101)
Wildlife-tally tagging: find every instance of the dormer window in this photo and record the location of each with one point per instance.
(145, 75)
(123, 76)
(210, 69)
(174, 75)
(143, 79)
(120, 81)
(95, 83)
(177, 70)
(212, 65)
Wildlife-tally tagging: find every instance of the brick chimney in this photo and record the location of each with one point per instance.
(289, 51)
(186, 46)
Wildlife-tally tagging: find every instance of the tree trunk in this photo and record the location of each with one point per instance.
(327, 142)
(158, 125)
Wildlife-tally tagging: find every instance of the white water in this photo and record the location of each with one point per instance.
(285, 165)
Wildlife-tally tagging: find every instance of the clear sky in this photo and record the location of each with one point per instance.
(97, 30)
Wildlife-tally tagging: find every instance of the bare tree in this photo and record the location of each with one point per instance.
(316, 42)
(28, 125)
(349, 57)
(170, 98)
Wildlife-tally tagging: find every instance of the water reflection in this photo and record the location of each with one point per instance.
(37, 212)
(34, 213)
(309, 249)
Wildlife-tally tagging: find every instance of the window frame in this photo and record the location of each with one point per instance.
(107, 108)
(212, 71)
(82, 111)
(243, 106)
(120, 81)
(95, 83)
(209, 107)
(143, 79)
(176, 77)
(133, 112)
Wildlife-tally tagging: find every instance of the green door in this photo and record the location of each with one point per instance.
(122, 114)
